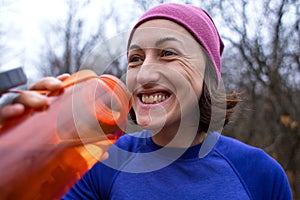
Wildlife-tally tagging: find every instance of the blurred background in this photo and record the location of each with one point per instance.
(261, 58)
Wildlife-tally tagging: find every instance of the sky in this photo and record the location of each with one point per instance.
(24, 22)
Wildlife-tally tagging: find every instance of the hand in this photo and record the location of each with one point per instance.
(31, 98)
(34, 144)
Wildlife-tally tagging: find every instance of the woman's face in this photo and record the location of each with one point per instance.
(165, 74)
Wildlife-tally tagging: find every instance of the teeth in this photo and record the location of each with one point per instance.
(151, 99)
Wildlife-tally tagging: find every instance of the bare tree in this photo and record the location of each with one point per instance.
(262, 60)
(145, 5)
(68, 43)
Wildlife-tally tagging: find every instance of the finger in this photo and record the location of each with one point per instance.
(32, 99)
(104, 144)
(48, 83)
(101, 148)
(104, 156)
(11, 111)
(96, 151)
(63, 77)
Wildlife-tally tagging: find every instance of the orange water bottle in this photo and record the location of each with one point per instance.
(45, 152)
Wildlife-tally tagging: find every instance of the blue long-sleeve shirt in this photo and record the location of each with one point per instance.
(139, 169)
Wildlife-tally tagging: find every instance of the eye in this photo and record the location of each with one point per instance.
(167, 53)
(134, 58)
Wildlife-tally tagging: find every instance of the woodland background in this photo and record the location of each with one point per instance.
(261, 60)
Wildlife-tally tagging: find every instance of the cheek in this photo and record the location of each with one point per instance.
(198, 87)
(197, 82)
(194, 75)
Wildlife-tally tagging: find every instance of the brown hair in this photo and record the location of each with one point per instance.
(215, 105)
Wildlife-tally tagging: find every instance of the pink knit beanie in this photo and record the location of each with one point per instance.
(197, 22)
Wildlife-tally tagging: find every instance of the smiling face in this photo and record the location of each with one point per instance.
(165, 75)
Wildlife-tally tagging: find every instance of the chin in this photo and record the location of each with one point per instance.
(151, 125)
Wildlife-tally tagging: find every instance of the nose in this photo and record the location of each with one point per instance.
(148, 72)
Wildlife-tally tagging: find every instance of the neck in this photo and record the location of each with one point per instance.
(183, 138)
(182, 133)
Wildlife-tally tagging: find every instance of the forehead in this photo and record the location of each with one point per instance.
(153, 30)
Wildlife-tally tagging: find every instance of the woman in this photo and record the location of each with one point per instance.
(174, 74)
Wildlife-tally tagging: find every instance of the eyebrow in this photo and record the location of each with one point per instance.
(165, 39)
(157, 43)
(134, 46)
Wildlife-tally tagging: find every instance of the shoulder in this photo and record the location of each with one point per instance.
(235, 149)
(244, 156)
(258, 171)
